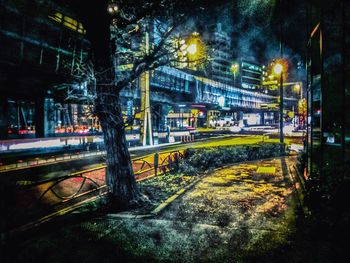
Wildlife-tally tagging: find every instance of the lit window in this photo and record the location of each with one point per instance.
(68, 22)
(56, 17)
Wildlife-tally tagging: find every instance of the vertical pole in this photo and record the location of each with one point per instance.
(281, 108)
(156, 159)
(146, 124)
(18, 116)
(3, 117)
(281, 76)
(344, 81)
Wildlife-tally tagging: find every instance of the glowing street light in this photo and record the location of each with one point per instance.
(299, 89)
(192, 49)
(221, 101)
(277, 69)
(234, 69)
(112, 8)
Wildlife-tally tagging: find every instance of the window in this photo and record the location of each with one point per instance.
(68, 22)
(56, 17)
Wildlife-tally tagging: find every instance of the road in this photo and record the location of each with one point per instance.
(61, 168)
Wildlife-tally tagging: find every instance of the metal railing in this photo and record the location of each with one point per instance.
(40, 199)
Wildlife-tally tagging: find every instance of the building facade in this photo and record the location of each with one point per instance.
(219, 50)
(328, 91)
(43, 50)
(251, 75)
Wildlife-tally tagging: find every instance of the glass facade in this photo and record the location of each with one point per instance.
(328, 86)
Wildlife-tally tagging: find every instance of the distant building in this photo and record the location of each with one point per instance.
(42, 46)
(219, 49)
(251, 75)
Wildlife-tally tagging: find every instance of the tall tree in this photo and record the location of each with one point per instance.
(115, 30)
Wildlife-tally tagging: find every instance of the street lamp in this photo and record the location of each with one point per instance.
(192, 49)
(299, 88)
(221, 101)
(182, 106)
(278, 71)
(234, 69)
(113, 8)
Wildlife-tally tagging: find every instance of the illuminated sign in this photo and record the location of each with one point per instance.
(125, 67)
(252, 67)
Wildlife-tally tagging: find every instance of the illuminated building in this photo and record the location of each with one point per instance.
(251, 75)
(41, 45)
(219, 46)
(41, 52)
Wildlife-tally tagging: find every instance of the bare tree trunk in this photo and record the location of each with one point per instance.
(120, 177)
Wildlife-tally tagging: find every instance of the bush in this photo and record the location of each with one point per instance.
(301, 163)
(200, 160)
(327, 191)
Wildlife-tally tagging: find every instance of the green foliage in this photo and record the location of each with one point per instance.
(301, 163)
(202, 159)
(326, 191)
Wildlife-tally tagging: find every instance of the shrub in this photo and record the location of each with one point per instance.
(301, 163)
(200, 160)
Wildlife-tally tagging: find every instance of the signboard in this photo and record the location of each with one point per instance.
(125, 67)
(269, 106)
(250, 66)
(272, 82)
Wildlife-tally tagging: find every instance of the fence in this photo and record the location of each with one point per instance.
(42, 199)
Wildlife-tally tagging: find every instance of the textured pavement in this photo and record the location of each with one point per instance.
(239, 213)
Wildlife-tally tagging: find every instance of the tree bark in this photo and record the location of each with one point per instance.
(119, 173)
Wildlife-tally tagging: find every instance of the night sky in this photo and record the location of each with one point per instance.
(255, 27)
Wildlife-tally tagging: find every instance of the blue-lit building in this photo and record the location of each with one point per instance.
(43, 48)
(251, 75)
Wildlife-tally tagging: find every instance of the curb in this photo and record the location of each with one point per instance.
(298, 188)
(172, 198)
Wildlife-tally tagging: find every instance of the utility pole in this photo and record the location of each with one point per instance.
(281, 108)
(146, 136)
(281, 76)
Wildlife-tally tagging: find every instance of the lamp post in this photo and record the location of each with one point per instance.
(278, 70)
(299, 87)
(234, 69)
(281, 108)
(181, 115)
(146, 136)
(193, 50)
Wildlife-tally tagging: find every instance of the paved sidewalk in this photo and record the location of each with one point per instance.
(240, 213)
